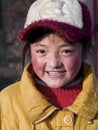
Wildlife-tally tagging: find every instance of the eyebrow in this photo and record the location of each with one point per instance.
(37, 44)
(41, 45)
(65, 45)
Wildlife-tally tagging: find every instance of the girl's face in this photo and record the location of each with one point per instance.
(55, 61)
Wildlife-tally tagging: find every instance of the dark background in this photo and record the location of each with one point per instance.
(12, 15)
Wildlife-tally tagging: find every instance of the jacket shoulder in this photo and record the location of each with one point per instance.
(11, 87)
(10, 91)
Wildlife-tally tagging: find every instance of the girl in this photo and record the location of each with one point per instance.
(57, 90)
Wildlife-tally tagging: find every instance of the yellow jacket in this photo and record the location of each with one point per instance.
(23, 107)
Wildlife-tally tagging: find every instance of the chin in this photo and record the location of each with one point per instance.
(55, 86)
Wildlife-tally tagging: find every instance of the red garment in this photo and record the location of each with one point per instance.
(60, 97)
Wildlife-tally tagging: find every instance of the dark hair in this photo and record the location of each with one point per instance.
(40, 33)
(34, 36)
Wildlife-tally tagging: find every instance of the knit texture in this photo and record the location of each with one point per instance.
(70, 32)
(60, 97)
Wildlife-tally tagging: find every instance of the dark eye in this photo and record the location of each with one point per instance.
(40, 51)
(67, 51)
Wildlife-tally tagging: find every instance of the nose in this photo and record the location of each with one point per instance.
(55, 61)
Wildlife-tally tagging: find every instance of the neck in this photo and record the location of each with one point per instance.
(60, 97)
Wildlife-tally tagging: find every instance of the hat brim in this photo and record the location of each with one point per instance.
(71, 33)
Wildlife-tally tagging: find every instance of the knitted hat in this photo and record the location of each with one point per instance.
(70, 18)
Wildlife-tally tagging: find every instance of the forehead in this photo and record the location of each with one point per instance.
(54, 39)
(51, 40)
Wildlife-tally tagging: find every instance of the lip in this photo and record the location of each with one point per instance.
(56, 74)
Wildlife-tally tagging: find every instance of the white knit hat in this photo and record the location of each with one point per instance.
(66, 11)
(62, 16)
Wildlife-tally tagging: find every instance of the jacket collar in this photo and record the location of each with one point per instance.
(86, 103)
(35, 103)
(38, 108)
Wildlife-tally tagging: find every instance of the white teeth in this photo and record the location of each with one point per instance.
(55, 73)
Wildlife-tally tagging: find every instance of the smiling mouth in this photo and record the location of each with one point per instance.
(56, 73)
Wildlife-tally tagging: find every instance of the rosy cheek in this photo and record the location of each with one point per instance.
(73, 63)
(37, 64)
